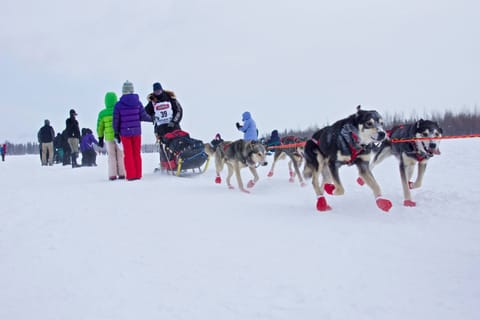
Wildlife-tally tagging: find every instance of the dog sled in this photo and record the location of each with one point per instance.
(182, 155)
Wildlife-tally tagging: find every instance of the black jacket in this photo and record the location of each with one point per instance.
(73, 128)
(165, 96)
(46, 134)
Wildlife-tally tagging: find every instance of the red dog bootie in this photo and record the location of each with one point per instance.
(384, 204)
(360, 181)
(409, 203)
(218, 179)
(322, 204)
(329, 188)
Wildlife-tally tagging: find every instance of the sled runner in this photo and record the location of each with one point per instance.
(182, 155)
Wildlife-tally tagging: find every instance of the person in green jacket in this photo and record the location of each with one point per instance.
(106, 135)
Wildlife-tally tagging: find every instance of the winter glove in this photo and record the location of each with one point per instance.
(117, 138)
(100, 142)
(171, 124)
(238, 125)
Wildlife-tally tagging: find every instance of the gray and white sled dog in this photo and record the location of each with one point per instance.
(236, 155)
(412, 152)
(349, 141)
(295, 155)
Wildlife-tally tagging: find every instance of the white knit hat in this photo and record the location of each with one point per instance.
(127, 87)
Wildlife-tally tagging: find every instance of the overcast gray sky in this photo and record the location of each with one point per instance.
(292, 64)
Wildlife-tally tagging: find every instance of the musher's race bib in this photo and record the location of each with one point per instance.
(163, 112)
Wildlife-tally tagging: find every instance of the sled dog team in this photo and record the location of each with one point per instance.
(359, 140)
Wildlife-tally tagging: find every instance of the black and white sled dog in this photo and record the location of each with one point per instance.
(295, 155)
(240, 154)
(411, 152)
(346, 142)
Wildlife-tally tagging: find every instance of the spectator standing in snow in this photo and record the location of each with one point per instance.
(106, 134)
(249, 127)
(73, 136)
(3, 151)
(58, 148)
(89, 155)
(274, 140)
(127, 116)
(67, 152)
(46, 135)
(165, 110)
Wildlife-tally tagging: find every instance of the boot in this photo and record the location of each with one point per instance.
(74, 160)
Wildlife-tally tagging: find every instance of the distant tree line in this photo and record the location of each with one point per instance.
(453, 123)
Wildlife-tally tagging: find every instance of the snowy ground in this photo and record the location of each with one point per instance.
(76, 246)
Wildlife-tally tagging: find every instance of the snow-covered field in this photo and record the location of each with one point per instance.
(74, 245)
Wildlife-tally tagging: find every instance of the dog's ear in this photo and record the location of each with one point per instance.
(359, 107)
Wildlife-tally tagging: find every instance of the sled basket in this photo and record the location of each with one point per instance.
(183, 153)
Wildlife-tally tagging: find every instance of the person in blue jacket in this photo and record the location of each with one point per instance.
(249, 127)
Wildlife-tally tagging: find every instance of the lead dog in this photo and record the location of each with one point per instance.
(236, 155)
(411, 152)
(346, 142)
(294, 153)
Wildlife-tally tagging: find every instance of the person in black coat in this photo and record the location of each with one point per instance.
(165, 110)
(66, 149)
(46, 134)
(73, 133)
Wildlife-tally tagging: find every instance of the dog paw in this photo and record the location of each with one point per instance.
(218, 180)
(244, 190)
(231, 187)
(409, 203)
(270, 174)
(322, 204)
(291, 179)
(360, 181)
(250, 184)
(384, 204)
(329, 188)
(303, 184)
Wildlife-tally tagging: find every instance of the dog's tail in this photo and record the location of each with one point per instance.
(311, 162)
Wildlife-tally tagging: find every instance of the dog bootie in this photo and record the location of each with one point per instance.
(409, 203)
(270, 174)
(322, 204)
(218, 180)
(360, 181)
(329, 188)
(250, 184)
(384, 204)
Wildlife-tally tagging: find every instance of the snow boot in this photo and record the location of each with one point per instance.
(74, 160)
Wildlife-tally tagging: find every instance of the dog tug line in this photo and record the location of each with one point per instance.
(465, 136)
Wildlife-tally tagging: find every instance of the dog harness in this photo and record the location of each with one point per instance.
(348, 142)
